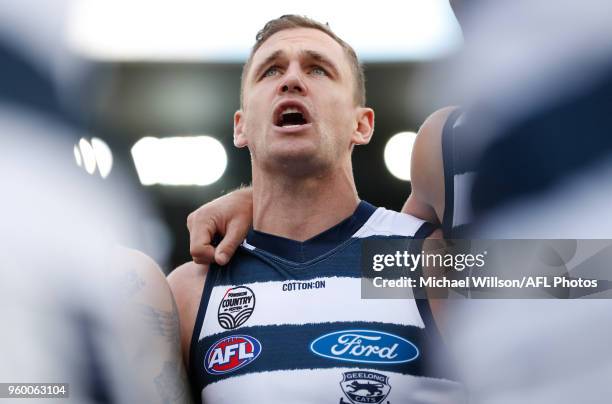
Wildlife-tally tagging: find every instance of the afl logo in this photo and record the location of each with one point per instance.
(236, 307)
(231, 353)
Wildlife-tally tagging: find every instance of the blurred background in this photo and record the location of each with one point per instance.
(162, 81)
(116, 120)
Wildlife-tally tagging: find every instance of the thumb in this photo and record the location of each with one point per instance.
(200, 237)
(235, 233)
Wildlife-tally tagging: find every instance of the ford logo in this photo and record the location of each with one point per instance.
(365, 346)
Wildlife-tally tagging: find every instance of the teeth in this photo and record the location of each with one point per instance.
(290, 110)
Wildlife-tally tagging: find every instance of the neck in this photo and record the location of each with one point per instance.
(301, 208)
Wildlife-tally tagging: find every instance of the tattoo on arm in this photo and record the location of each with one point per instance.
(171, 383)
(162, 323)
(166, 383)
(132, 283)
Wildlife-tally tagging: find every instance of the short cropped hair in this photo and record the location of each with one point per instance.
(291, 21)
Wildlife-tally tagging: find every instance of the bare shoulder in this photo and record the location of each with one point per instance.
(187, 278)
(428, 144)
(187, 284)
(427, 168)
(145, 279)
(436, 120)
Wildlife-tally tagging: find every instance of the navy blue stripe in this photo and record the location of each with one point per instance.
(249, 266)
(542, 151)
(287, 347)
(468, 141)
(462, 230)
(260, 266)
(25, 85)
(424, 231)
(211, 278)
(303, 251)
(448, 161)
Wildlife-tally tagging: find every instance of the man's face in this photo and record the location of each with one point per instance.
(299, 112)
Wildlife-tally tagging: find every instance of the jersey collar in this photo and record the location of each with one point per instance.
(303, 251)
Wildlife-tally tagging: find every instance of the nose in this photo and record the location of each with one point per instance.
(292, 83)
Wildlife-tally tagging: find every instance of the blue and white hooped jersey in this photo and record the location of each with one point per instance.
(285, 323)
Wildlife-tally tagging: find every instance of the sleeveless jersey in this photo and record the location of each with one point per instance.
(460, 160)
(285, 323)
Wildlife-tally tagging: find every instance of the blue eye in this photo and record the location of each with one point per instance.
(271, 71)
(318, 70)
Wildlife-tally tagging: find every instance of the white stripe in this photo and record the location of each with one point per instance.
(340, 300)
(323, 386)
(462, 183)
(385, 222)
(459, 120)
(247, 245)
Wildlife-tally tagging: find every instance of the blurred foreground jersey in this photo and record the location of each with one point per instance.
(546, 175)
(62, 307)
(286, 323)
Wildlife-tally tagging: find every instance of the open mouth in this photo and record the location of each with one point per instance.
(291, 116)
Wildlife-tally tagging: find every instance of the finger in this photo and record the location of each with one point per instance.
(201, 229)
(200, 235)
(200, 238)
(190, 220)
(235, 233)
(204, 254)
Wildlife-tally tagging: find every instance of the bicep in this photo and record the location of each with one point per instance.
(156, 349)
(187, 284)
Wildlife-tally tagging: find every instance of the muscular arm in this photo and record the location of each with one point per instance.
(187, 285)
(154, 352)
(427, 198)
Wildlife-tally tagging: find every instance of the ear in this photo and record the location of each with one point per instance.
(240, 139)
(365, 126)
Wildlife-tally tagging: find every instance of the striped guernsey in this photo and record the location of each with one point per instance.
(285, 323)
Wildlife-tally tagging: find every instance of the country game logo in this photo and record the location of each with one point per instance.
(236, 307)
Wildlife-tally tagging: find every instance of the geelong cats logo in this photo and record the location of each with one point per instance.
(236, 307)
(364, 387)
